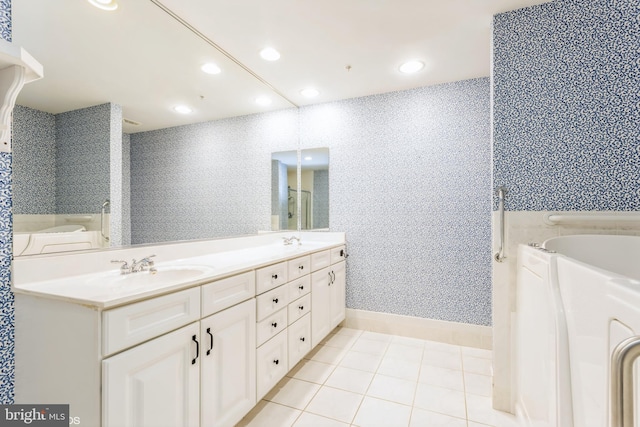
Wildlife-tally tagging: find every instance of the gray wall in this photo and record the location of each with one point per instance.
(409, 184)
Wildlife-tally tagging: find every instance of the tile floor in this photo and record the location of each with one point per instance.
(366, 379)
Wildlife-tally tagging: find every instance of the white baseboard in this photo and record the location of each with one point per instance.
(464, 334)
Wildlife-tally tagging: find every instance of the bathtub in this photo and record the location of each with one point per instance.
(577, 298)
(55, 239)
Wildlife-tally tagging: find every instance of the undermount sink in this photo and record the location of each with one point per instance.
(162, 276)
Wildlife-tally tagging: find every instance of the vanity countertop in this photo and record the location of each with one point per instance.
(105, 287)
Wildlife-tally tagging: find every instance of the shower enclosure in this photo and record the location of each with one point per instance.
(305, 208)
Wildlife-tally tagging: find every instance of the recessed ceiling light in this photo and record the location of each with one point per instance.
(210, 68)
(270, 54)
(263, 100)
(411, 66)
(182, 109)
(309, 92)
(105, 4)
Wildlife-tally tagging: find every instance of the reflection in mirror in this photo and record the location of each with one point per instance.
(108, 81)
(311, 200)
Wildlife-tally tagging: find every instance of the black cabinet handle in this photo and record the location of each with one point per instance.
(194, 338)
(301, 307)
(301, 287)
(330, 279)
(302, 339)
(275, 300)
(275, 276)
(333, 277)
(301, 267)
(274, 324)
(211, 338)
(276, 361)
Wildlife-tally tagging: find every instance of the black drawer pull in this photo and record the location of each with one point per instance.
(194, 338)
(301, 267)
(275, 300)
(302, 339)
(211, 338)
(275, 276)
(274, 324)
(276, 361)
(301, 287)
(301, 307)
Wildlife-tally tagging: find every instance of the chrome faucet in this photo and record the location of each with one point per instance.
(137, 266)
(289, 240)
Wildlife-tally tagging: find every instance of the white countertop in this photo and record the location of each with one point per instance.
(96, 282)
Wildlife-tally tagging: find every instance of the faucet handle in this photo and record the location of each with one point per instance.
(124, 268)
(147, 259)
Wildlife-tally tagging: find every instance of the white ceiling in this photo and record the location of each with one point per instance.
(145, 60)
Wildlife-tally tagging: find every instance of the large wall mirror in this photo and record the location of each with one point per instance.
(300, 189)
(99, 148)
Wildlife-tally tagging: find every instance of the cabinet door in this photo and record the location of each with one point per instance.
(154, 384)
(338, 294)
(320, 305)
(228, 365)
(272, 361)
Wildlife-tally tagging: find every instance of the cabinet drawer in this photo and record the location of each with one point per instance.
(299, 337)
(338, 254)
(272, 363)
(320, 260)
(299, 308)
(134, 323)
(224, 293)
(270, 277)
(299, 287)
(271, 326)
(299, 267)
(271, 301)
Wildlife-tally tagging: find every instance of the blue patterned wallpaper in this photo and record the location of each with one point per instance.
(5, 20)
(409, 183)
(321, 199)
(206, 180)
(7, 317)
(82, 160)
(34, 161)
(567, 105)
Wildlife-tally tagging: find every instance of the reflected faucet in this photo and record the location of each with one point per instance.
(137, 266)
(289, 240)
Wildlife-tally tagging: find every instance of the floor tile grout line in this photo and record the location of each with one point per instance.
(371, 381)
(415, 393)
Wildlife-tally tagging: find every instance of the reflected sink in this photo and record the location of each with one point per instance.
(167, 275)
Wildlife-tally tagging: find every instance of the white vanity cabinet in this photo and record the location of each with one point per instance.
(228, 365)
(328, 295)
(154, 384)
(202, 374)
(201, 355)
